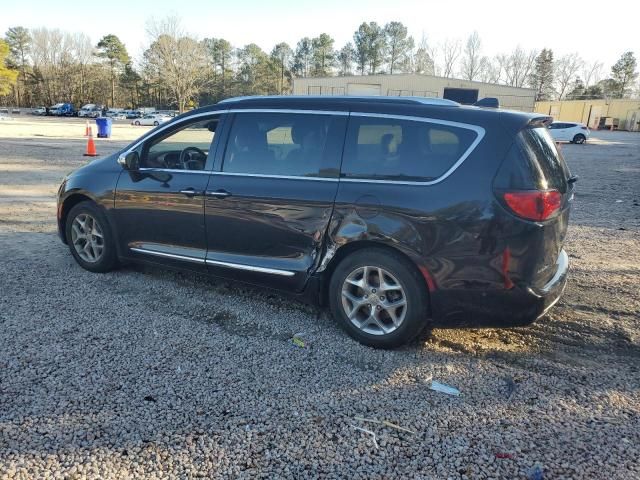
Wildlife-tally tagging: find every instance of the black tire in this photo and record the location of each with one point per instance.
(579, 139)
(156, 124)
(136, 123)
(108, 259)
(412, 283)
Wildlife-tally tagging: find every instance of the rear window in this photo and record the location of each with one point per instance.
(535, 162)
(404, 150)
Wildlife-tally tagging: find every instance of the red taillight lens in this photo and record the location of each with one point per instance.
(534, 205)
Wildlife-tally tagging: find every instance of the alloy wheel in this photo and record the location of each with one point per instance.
(87, 238)
(374, 300)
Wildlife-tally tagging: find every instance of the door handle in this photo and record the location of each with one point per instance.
(218, 193)
(190, 192)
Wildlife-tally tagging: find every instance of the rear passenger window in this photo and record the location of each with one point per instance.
(281, 144)
(405, 150)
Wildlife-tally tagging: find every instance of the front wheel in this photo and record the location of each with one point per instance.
(136, 123)
(379, 298)
(155, 124)
(579, 139)
(90, 239)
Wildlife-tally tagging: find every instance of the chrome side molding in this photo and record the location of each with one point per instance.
(215, 263)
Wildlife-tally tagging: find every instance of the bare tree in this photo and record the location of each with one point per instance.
(472, 60)
(517, 66)
(48, 52)
(491, 71)
(591, 73)
(180, 60)
(423, 61)
(450, 53)
(566, 69)
(83, 53)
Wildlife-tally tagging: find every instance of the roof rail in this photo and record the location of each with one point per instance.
(399, 99)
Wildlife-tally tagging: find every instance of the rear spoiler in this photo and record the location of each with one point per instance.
(540, 122)
(490, 102)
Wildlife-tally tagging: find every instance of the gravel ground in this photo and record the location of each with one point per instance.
(143, 373)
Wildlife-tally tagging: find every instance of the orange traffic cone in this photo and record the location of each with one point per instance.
(91, 147)
(86, 129)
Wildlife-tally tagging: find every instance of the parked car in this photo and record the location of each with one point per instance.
(153, 119)
(62, 110)
(569, 132)
(116, 113)
(395, 212)
(39, 111)
(91, 110)
(132, 114)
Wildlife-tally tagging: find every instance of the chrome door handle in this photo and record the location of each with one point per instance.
(218, 193)
(189, 192)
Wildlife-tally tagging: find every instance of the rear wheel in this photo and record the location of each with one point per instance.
(156, 124)
(579, 139)
(90, 239)
(379, 298)
(136, 123)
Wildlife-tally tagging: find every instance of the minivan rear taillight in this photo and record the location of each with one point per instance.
(534, 204)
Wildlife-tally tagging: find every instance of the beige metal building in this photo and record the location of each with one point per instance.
(413, 84)
(622, 113)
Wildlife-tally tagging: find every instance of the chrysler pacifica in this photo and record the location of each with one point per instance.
(396, 213)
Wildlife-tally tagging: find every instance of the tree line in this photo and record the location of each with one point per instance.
(43, 66)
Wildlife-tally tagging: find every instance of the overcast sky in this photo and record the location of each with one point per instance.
(597, 30)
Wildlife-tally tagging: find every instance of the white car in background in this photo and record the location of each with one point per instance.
(569, 132)
(39, 111)
(152, 119)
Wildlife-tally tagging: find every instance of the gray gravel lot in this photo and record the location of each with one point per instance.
(144, 373)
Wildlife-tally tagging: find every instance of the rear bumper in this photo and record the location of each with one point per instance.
(500, 308)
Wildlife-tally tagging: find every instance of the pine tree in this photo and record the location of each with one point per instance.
(399, 45)
(623, 72)
(542, 75)
(19, 41)
(115, 53)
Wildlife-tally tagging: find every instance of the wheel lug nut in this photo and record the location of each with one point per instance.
(373, 290)
(378, 307)
(382, 299)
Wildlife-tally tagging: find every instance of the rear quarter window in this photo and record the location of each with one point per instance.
(402, 150)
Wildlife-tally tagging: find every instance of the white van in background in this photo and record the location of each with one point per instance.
(90, 110)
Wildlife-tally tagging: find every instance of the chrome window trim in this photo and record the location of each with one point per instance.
(173, 170)
(479, 131)
(250, 268)
(282, 177)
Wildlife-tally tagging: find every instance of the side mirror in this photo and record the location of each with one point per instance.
(130, 160)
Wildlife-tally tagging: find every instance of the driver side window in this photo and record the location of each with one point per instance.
(184, 149)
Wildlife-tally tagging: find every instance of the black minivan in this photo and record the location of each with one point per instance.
(396, 212)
